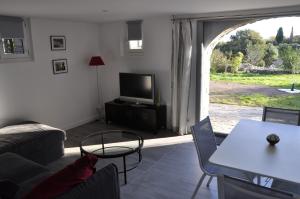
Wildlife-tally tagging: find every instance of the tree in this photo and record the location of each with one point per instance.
(296, 39)
(236, 61)
(240, 41)
(290, 57)
(270, 40)
(271, 54)
(279, 36)
(255, 54)
(292, 35)
(219, 62)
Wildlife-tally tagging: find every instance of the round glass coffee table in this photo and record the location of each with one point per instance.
(113, 144)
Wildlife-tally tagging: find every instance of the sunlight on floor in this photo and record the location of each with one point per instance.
(150, 143)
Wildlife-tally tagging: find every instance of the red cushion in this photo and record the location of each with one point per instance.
(65, 179)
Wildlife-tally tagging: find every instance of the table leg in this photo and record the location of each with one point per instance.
(140, 155)
(124, 166)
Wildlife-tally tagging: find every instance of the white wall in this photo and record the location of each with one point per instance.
(29, 90)
(157, 38)
(156, 57)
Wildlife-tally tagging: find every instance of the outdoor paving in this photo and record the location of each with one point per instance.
(224, 117)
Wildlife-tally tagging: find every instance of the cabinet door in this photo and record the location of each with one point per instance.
(145, 119)
(118, 114)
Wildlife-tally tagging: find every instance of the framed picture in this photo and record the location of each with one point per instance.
(58, 42)
(60, 66)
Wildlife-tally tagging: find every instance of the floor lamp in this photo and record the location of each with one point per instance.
(97, 61)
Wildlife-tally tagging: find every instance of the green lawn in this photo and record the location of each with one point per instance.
(280, 81)
(259, 99)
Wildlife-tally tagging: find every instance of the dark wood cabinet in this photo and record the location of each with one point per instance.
(140, 116)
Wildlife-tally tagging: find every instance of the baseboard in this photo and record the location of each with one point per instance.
(81, 122)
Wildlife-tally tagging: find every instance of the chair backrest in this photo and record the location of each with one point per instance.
(204, 140)
(279, 115)
(232, 188)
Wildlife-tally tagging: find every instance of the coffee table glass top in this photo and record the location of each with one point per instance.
(114, 143)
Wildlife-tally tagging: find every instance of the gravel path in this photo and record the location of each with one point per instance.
(220, 87)
(225, 117)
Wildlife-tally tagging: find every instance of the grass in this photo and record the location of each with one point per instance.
(279, 81)
(258, 99)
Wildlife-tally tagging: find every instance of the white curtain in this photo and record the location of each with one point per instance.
(181, 73)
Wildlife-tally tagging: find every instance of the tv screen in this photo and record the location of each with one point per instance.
(137, 87)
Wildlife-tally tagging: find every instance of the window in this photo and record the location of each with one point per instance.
(14, 39)
(136, 45)
(13, 46)
(135, 39)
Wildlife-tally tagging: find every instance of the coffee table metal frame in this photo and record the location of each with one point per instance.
(131, 150)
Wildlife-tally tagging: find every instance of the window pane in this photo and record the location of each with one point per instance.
(13, 46)
(136, 44)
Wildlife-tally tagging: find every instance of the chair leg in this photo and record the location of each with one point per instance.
(258, 179)
(209, 181)
(198, 185)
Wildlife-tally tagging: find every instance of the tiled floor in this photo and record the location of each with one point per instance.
(169, 169)
(75, 135)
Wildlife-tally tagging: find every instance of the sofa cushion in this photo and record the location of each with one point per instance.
(28, 185)
(18, 169)
(24, 132)
(65, 179)
(38, 142)
(8, 189)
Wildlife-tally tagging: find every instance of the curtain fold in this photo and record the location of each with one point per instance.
(181, 74)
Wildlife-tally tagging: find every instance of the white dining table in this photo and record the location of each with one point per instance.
(247, 149)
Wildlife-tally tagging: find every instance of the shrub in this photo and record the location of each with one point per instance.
(236, 62)
(290, 57)
(271, 54)
(219, 62)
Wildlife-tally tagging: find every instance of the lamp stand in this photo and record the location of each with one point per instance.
(100, 99)
(98, 87)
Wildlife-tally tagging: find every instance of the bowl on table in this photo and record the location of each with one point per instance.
(273, 139)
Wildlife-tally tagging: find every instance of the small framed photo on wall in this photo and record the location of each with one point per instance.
(60, 66)
(58, 42)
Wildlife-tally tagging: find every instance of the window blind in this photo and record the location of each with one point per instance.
(134, 30)
(11, 27)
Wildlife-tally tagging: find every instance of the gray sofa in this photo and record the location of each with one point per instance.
(38, 142)
(25, 174)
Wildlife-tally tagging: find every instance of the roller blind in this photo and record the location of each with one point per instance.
(11, 27)
(134, 30)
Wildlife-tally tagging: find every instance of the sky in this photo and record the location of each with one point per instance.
(269, 27)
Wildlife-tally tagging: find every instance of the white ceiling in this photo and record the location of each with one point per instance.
(92, 10)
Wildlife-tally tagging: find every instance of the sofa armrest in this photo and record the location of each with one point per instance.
(103, 184)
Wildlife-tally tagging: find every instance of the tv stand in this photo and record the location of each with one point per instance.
(138, 116)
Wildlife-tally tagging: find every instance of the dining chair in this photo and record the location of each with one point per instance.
(205, 144)
(280, 115)
(286, 186)
(233, 188)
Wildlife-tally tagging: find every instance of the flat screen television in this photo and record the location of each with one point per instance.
(137, 88)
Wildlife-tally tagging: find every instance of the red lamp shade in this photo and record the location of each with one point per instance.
(96, 61)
